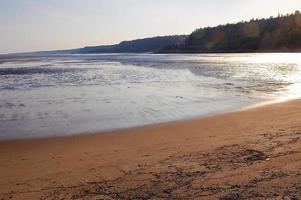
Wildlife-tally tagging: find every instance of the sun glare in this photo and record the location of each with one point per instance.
(274, 58)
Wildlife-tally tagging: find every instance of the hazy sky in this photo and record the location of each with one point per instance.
(28, 25)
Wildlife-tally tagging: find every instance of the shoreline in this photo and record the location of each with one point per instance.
(254, 151)
(31, 54)
(227, 52)
(199, 117)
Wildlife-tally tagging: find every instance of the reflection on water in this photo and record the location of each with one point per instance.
(292, 91)
(67, 94)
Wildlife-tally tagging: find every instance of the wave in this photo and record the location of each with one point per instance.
(36, 70)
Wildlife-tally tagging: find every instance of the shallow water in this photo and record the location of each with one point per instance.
(68, 94)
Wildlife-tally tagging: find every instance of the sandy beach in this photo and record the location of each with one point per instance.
(250, 154)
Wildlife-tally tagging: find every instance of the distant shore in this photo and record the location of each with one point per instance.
(253, 154)
(7, 57)
(229, 52)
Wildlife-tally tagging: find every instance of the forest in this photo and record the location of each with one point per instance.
(145, 45)
(275, 34)
(137, 46)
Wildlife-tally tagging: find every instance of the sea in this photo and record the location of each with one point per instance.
(59, 95)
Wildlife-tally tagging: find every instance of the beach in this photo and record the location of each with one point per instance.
(150, 100)
(252, 153)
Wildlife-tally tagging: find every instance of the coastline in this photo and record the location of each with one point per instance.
(228, 52)
(249, 153)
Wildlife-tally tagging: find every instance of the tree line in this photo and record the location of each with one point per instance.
(282, 33)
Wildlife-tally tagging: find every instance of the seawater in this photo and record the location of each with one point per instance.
(58, 95)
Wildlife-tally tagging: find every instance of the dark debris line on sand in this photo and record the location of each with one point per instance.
(193, 176)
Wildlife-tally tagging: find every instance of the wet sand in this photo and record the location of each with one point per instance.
(251, 154)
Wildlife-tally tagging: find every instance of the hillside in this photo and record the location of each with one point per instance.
(134, 46)
(282, 33)
(137, 46)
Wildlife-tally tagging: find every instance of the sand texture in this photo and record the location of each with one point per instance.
(251, 154)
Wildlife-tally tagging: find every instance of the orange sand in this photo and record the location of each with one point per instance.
(251, 154)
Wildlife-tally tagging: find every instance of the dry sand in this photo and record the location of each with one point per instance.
(251, 154)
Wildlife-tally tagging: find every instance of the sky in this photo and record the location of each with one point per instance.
(31, 25)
